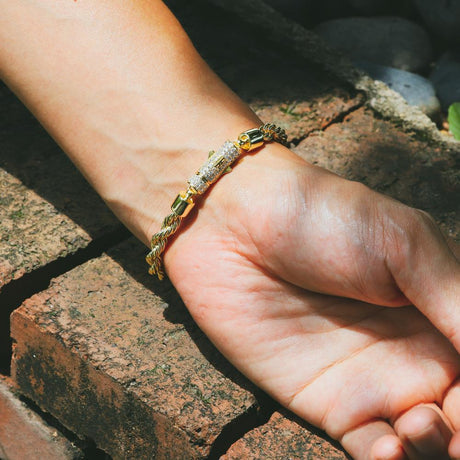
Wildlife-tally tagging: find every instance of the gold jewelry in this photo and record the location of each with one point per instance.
(217, 164)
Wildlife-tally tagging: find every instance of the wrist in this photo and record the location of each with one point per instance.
(221, 213)
(135, 110)
(143, 182)
(218, 163)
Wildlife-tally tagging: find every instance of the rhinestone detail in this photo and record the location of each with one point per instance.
(198, 184)
(214, 167)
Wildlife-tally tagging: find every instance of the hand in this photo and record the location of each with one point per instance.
(378, 379)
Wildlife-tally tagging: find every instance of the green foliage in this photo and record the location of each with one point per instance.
(290, 110)
(454, 119)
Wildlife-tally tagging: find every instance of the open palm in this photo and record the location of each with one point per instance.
(373, 377)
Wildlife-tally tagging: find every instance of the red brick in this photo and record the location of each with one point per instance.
(35, 231)
(114, 362)
(283, 437)
(24, 435)
(307, 114)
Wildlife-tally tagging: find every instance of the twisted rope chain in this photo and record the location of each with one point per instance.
(272, 132)
(216, 165)
(169, 227)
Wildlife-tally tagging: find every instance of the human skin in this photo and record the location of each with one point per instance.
(299, 277)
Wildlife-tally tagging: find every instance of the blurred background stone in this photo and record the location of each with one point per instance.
(311, 12)
(290, 7)
(442, 17)
(389, 41)
(369, 7)
(446, 79)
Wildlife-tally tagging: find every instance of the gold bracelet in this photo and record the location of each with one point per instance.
(217, 164)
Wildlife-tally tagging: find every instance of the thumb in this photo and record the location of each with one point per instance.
(427, 271)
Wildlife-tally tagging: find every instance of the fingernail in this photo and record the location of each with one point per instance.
(431, 444)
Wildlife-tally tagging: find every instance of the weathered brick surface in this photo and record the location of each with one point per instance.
(24, 435)
(282, 437)
(35, 231)
(307, 114)
(377, 153)
(47, 210)
(114, 362)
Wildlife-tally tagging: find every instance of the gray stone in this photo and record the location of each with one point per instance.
(416, 90)
(388, 41)
(446, 79)
(442, 17)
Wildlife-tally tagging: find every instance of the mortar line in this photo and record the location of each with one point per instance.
(257, 415)
(336, 120)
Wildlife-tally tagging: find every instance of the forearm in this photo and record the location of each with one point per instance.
(122, 90)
